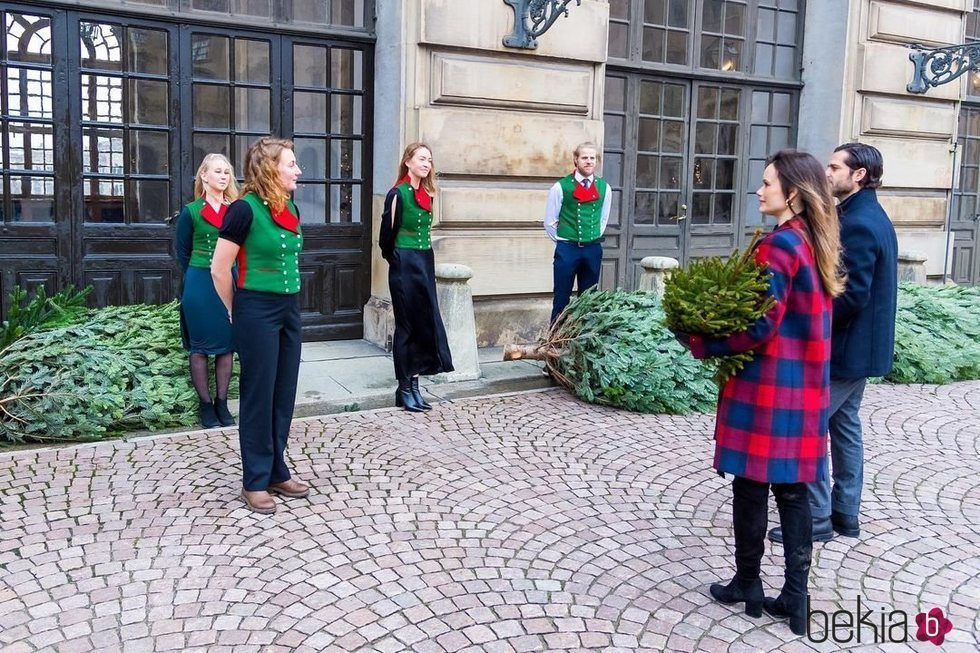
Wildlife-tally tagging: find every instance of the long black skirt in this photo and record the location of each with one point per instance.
(419, 345)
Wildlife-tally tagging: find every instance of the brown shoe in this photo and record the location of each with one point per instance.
(291, 488)
(259, 501)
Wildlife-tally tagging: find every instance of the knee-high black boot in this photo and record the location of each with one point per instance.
(794, 516)
(749, 515)
(404, 397)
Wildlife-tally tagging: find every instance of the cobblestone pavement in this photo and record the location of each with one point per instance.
(528, 522)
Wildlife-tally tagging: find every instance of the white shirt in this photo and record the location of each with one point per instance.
(553, 207)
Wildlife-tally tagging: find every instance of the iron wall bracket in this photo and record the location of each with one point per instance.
(942, 65)
(532, 18)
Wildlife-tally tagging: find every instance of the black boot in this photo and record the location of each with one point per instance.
(223, 414)
(205, 412)
(422, 403)
(740, 590)
(794, 516)
(404, 397)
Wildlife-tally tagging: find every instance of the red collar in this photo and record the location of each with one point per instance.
(215, 219)
(583, 194)
(285, 219)
(422, 197)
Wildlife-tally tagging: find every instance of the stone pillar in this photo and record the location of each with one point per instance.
(912, 266)
(456, 308)
(656, 271)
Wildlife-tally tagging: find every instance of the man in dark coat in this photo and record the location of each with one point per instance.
(863, 338)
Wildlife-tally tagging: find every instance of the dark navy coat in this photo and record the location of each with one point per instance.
(864, 315)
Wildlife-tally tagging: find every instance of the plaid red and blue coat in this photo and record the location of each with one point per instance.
(773, 415)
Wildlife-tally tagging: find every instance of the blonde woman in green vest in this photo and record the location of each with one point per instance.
(204, 325)
(262, 233)
(419, 344)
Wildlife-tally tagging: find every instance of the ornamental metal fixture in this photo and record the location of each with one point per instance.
(532, 18)
(942, 65)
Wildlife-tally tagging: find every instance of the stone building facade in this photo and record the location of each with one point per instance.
(109, 105)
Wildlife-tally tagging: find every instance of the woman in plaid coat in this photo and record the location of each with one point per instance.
(771, 427)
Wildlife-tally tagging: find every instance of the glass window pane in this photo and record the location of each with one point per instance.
(668, 211)
(674, 101)
(645, 208)
(147, 51)
(704, 173)
(759, 142)
(647, 168)
(311, 154)
(152, 201)
(205, 144)
(725, 174)
(212, 106)
(655, 11)
(347, 12)
(786, 31)
(29, 93)
(710, 52)
(766, 25)
(102, 98)
(148, 102)
(209, 56)
(311, 12)
(311, 199)
(252, 109)
(618, 40)
(778, 138)
(735, 19)
(252, 61)
(781, 107)
(346, 69)
(700, 212)
(673, 140)
(309, 65)
(654, 44)
(345, 203)
(102, 151)
(705, 138)
(760, 106)
(712, 11)
(619, 9)
(345, 114)
(310, 112)
(257, 8)
(670, 173)
(211, 5)
(764, 54)
(677, 47)
(101, 45)
(149, 152)
(723, 209)
(242, 143)
(677, 13)
(614, 131)
(728, 109)
(28, 38)
(612, 169)
(32, 199)
(615, 94)
(707, 103)
(786, 63)
(650, 98)
(726, 138)
(104, 201)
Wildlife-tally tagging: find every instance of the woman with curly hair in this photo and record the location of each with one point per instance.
(262, 233)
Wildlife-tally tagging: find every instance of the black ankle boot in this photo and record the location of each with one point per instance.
(205, 412)
(739, 590)
(793, 607)
(223, 414)
(404, 397)
(422, 403)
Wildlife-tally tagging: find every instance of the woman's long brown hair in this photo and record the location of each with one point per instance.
(262, 171)
(429, 183)
(801, 172)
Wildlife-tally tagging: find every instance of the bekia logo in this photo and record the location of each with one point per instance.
(933, 626)
(874, 626)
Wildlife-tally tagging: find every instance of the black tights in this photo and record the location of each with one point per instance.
(222, 375)
(750, 508)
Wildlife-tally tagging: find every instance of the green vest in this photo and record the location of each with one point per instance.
(268, 260)
(580, 222)
(416, 229)
(205, 236)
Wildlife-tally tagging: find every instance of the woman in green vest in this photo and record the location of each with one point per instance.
(204, 324)
(419, 344)
(262, 233)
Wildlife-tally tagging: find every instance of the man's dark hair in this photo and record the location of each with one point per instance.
(864, 156)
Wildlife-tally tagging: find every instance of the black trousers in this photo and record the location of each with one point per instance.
(267, 334)
(574, 261)
(750, 516)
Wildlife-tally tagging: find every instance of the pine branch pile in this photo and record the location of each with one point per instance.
(937, 335)
(612, 348)
(715, 298)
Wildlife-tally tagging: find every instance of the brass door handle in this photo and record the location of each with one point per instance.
(683, 216)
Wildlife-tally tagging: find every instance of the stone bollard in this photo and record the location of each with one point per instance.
(456, 308)
(656, 271)
(912, 266)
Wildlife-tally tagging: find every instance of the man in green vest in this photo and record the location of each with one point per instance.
(575, 218)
